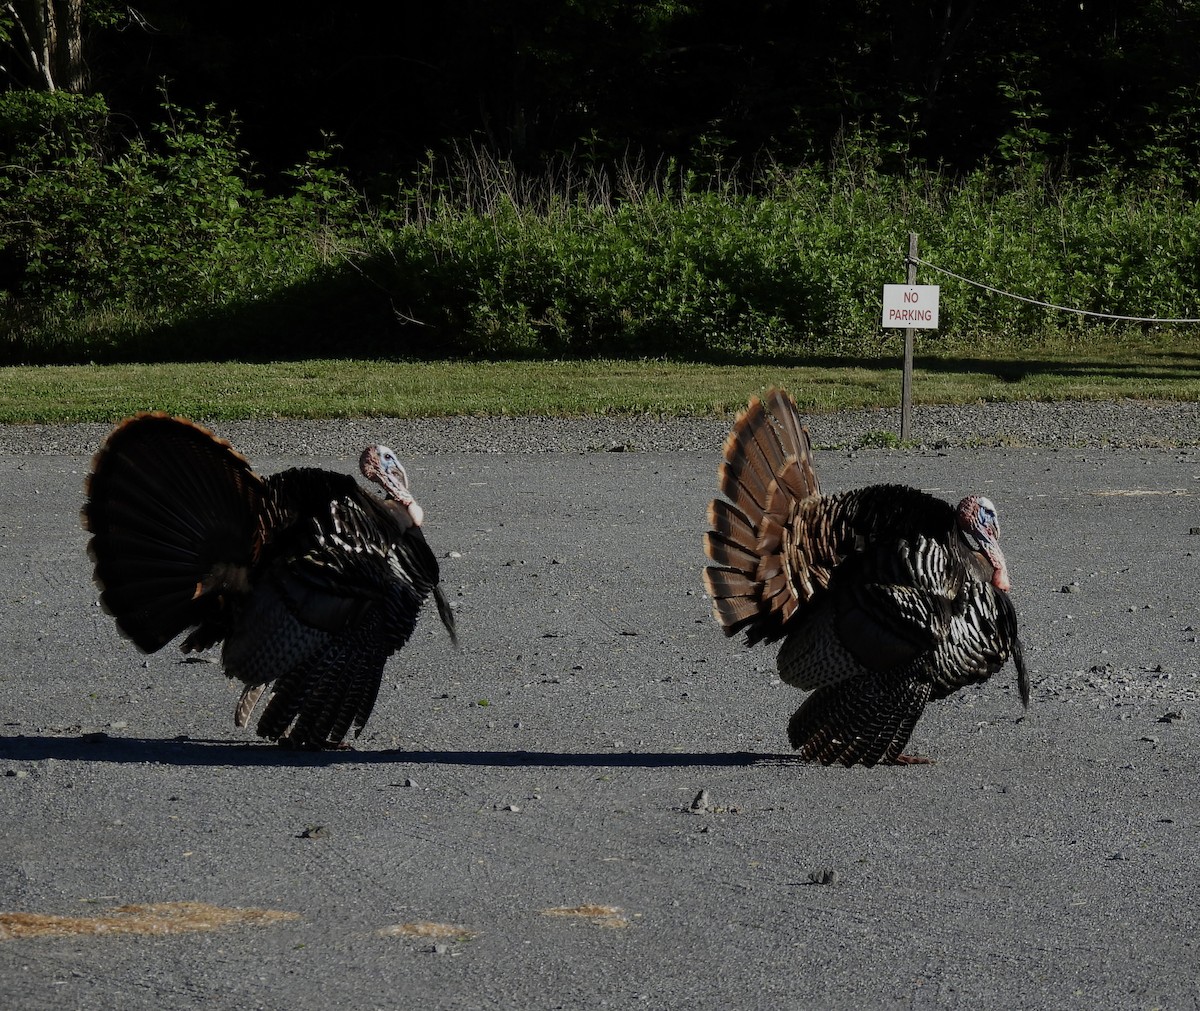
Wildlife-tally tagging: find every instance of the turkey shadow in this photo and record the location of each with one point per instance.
(189, 751)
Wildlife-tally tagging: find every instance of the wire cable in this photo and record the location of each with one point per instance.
(1048, 305)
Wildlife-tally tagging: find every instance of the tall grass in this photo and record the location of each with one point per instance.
(175, 251)
(792, 265)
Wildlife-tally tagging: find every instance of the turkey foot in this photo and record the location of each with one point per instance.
(300, 744)
(912, 760)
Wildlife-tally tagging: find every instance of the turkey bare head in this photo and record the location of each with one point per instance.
(980, 528)
(379, 464)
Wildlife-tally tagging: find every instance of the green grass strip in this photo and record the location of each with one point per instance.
(335, 389)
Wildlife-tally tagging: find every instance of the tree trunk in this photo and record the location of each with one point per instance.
(47, 44)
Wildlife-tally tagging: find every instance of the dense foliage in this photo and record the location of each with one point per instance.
(171, 249)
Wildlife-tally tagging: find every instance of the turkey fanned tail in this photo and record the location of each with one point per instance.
(174, 517)
(885, 597)
(309, 581)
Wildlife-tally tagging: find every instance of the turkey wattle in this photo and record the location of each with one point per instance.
(308, 580)
(885, 597)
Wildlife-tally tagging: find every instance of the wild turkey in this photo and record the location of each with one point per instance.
(310, 581)
(885, 597)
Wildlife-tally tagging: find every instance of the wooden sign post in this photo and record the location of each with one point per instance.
(913, 307)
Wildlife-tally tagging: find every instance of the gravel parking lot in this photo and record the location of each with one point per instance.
(590, 804)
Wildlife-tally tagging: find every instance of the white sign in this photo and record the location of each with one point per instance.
(911, 305)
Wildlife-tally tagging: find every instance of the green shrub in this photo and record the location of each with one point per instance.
(170, 246)
(170, 227)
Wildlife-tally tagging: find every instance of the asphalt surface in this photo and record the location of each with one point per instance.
(1046, 859)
